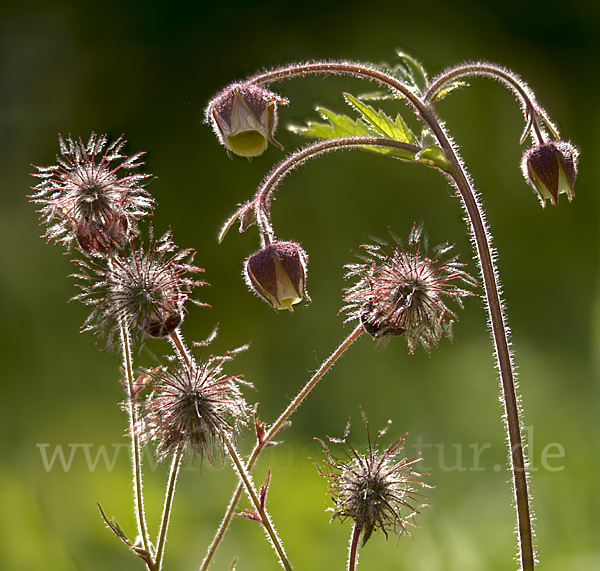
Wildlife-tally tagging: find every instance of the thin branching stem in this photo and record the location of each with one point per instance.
(135, 441)
(246, 481)
(272, 432)
(502, 348)
(353, 548)
(424, 110)
(169, 495)
(264, 192)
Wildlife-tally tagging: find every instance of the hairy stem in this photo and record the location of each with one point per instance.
(512, 81)
(170, 494)
(336, 68)
(246, 481)
(502, 349)
(531, 110)
(264, 192)
(484, 253)
(353, 549)
(178, 343)
(135, 441)
(273, 430)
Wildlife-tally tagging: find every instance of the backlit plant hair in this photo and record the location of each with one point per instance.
(137, 291)
(143, 288)
(91, 194)
(137, 287)
(375, 489)
(550, 167)
(194, 407)
(402, 290)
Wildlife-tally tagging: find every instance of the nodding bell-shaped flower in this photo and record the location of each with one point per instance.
(244, 118)
(551, 169)
(277, 274)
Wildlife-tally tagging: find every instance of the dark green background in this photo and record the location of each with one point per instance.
(147, 69)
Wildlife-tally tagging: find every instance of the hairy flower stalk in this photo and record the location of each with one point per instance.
(136, 457)
(375, 489)
(169, 496)
(258, 210)
(421, 94)
(403, 291)
(265, 437)
(197, 410)
(261, 511)
(90, 196)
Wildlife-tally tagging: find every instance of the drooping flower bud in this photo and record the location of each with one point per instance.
(244, 118)
(277, 273)
(551, 169)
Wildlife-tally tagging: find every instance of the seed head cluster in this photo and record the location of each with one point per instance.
(194, 406)
(142, 289)
(375, 489)
(90, 195)
(402, 289)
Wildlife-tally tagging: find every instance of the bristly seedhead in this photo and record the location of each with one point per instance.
(376, 489)
(194, 407)
(277, 274)
(551, 169)
(143, 290)
(403, 291)
(244, 118)
(88, 197)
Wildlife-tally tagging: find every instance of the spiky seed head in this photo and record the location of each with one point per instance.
(90, 195)
(193, 408)
(244, 118)
(277, 274)
(142, 289)
(402, 289)
(551, 169)
(377, 488)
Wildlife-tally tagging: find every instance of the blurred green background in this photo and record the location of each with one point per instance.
(146, 69)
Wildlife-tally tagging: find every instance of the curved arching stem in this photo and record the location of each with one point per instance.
(424, 109)
(502, 350)
(264, 193)
(337, 68)
(531, 110)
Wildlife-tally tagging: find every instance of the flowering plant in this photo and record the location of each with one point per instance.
(187, 408)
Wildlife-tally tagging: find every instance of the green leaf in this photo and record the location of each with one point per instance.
(338, 126)
(411, 73)
(427, 138)
(343, 126)
(384, 125)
